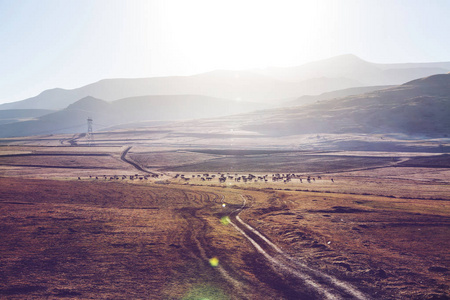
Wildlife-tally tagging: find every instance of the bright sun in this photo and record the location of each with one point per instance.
(242, 34)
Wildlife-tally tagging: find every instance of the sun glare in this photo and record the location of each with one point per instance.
(242, 34)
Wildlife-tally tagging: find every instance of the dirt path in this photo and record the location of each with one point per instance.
(303, 280)
(124, 158)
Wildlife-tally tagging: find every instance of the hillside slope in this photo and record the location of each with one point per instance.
(73, 119)
(419, 107)
(308, 99)
(16, 115)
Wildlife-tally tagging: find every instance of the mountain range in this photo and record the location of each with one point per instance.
(418, 107)
(270, 85)
(73, 119)
(231, 85)
(354, 68)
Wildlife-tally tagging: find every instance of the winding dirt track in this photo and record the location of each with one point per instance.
(302, 278)
(124, 158)
(300, 281)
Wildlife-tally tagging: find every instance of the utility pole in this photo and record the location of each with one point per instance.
(89, 135)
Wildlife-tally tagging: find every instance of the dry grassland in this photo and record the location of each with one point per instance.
(381, 226)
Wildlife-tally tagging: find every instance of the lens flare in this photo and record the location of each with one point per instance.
(225, 220)
(214, 262)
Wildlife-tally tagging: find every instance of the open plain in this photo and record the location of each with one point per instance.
(161, 217)
(212, 150)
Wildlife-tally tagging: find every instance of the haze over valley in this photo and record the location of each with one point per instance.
(366, 109)
(225, 149)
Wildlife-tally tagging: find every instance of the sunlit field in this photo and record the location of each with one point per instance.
(212, 150)
(83, 222)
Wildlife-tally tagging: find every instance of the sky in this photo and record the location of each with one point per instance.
(47, 44)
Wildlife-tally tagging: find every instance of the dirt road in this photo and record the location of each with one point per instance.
(304, 281)
(124, 158)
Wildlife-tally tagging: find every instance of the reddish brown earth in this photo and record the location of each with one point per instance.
(383, 228)
(120, 240)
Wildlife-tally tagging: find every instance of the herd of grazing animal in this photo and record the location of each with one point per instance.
(123, 177)
(222, 177)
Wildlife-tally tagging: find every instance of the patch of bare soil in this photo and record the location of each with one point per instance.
(384, 230)
(52, 163)
(110, 240)
(289, 162)
(169, 158)
(441, 161)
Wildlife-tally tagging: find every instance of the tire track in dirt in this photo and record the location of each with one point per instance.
(318, 284)
(236, 284)
(194, 240)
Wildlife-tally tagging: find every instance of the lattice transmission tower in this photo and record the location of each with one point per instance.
(89, 135)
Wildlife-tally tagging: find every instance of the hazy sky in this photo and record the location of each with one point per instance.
(55, 43)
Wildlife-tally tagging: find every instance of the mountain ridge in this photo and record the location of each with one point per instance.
(73, 118)
(418, 107)
(351, 66)
(267, 86)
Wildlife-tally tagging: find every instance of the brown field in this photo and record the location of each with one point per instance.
(382, 226)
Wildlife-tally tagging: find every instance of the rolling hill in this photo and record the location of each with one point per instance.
(16, 115)
(418, 108)
(231, 85)
(267, 86)
(73, 119)
(308, 99)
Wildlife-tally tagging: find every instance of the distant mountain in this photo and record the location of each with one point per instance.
(270, 85)
(177, 107)
(231, 85)
(352, 67)
(419, 107)
(53, 99)
(16, 115)
(308, 99)
(118, 113)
